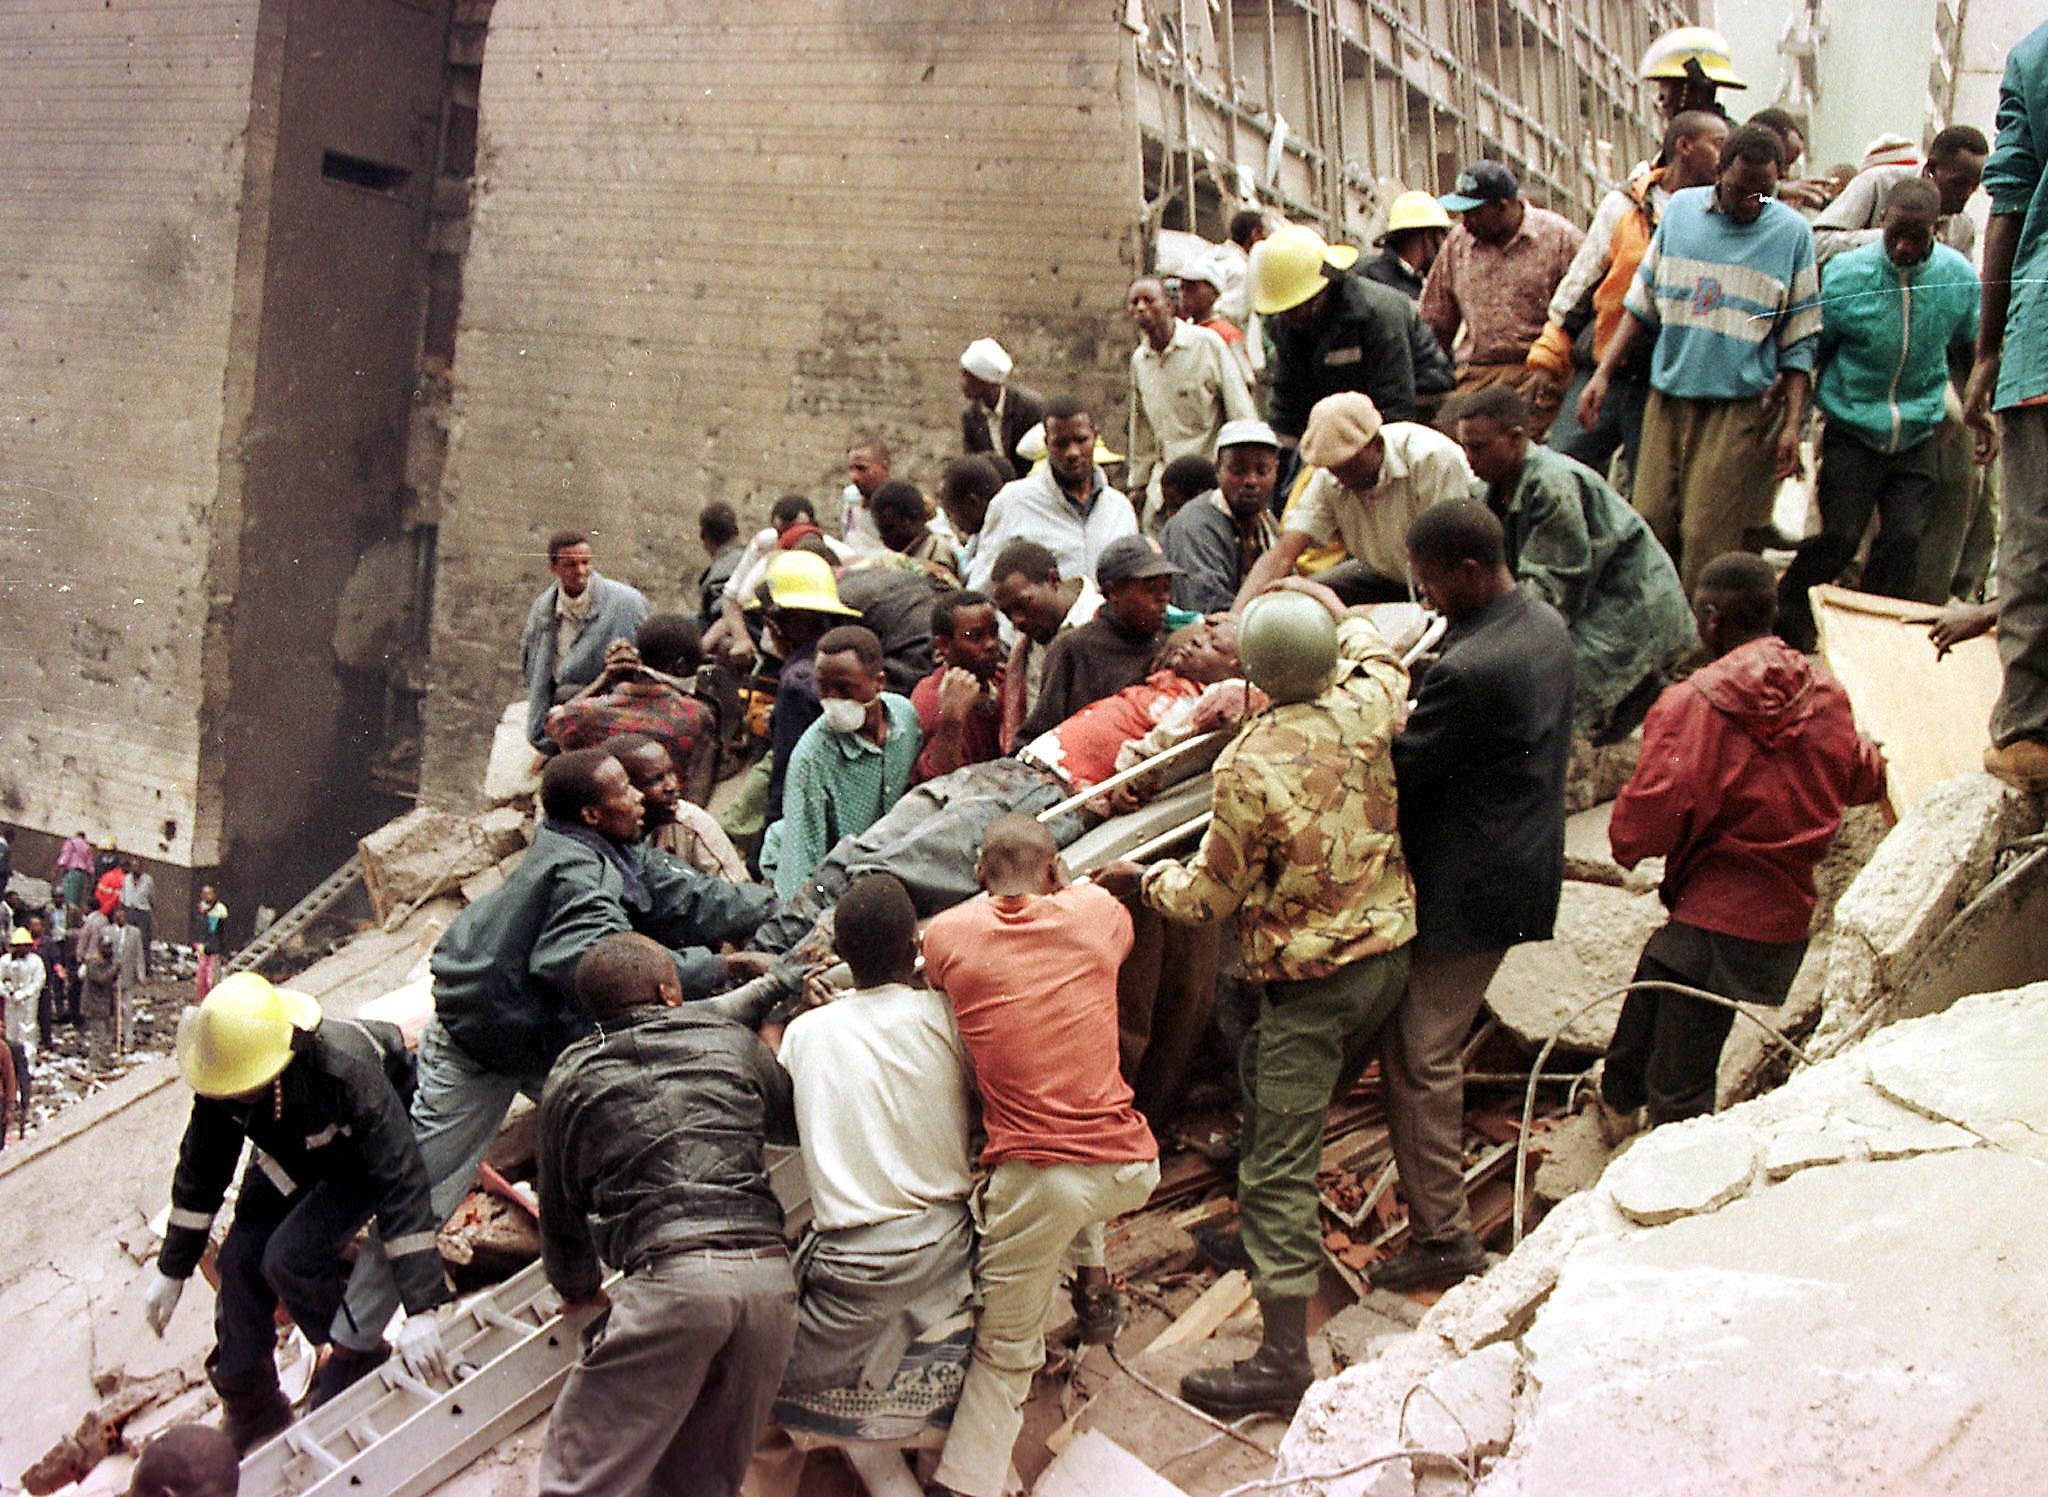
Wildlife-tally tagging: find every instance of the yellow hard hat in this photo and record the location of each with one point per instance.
(1415, 210)
(798, 579)
(21, 938)
(1287, 267)
(1031, 447)
(240, 1038)
(1691, 51)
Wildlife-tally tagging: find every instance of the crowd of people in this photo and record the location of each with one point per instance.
(78, 956)
(1566, 443)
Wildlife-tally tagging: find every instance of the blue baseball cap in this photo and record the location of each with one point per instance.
(1481, 183)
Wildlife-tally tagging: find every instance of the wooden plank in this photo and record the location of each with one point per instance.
(1931, 716)
(1096, 1466)
(1198, 1322)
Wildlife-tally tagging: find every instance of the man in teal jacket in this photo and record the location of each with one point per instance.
(505, 992)
(2011, 377)
(1892, 313)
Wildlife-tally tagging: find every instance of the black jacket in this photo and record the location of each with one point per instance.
(338, 1112)
(1391, 271)
(505, 973)
(1023, 408)
(1367, 339)
(1084, 665)
(651, 1142)
(1481, 771)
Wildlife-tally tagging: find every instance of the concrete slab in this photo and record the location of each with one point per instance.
(1589, 858)
(1541, 985)
(1678, 1171)
(1779, 1346)
(1979, 1068)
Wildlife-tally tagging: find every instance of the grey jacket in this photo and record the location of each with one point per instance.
(616, 612)
(651, 1143)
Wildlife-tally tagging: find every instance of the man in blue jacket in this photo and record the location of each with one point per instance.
(568, 627)
(505, 999)
(1892, 314)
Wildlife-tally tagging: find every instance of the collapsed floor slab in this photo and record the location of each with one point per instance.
(1839, 1293)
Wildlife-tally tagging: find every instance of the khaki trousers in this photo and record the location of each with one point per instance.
(1705, 476)
(1424, 1085)
(1473, 377)
(1029, 1216)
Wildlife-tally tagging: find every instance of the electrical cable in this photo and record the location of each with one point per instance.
(1536, 1071)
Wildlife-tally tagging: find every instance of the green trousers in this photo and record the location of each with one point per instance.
(1308, 1035)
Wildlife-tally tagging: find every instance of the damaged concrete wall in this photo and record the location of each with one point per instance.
(324, 358)
(710, 245)
(217, 247)
(123, 147)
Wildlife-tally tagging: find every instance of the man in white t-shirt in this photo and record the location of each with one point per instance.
(883, 1116)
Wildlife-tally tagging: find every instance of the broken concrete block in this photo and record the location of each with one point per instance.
(1936, 858)
(1499, 1304)
(1468, 1408)
(1589, 857)
(1096, 1466)
(513, 774)
(1541, 985)
(427, 851)
(1356, 1414)
(1793, 1150)
(1681, 1171)
(1357, 1333)
(1917, 1138)
(1980, 1067)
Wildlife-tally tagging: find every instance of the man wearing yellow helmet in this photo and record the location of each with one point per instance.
(1334, 331)
(1416, 229)
(324, 1105)
(1688, 66)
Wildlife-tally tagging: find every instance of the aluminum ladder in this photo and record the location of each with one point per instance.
(392, 1435)
(297, 918)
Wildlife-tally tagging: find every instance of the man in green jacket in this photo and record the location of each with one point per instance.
(1579, 547)
(505, 1000)
(1893, 313)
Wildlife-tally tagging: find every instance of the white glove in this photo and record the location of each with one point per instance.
(419, 1347)
(160, 1299)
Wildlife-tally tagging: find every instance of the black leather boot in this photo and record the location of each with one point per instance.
(1271, 1380)
(252, 1409)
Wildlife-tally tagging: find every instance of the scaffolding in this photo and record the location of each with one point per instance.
(1325, 109)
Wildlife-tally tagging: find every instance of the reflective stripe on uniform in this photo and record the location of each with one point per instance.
(275, 1173)
(191, 1221)
(325, 1136)
(415, 1242)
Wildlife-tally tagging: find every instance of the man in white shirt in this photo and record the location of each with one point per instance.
(1067, 506)
(883, 1116)
(22, 975)
(1373, 479)
(1185, 383)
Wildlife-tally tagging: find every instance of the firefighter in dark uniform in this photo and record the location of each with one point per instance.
(323, 1102)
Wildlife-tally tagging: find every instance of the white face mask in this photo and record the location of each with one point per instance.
(843, 715)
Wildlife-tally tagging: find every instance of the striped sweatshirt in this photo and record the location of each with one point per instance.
(1732, 304)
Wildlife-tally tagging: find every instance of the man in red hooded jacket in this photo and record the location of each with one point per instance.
(1746, 767)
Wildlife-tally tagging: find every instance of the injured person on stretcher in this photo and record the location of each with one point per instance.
(930, 838)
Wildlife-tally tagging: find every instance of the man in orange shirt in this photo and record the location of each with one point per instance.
(1031, 976)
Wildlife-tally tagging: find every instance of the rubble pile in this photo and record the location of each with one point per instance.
(1867, 1233)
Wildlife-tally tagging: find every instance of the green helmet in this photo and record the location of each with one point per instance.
(1288, 643)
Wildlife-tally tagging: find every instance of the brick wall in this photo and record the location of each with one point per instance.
(710, 243)
(122, 145)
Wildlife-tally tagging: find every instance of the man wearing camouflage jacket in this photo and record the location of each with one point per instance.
(1303, 854)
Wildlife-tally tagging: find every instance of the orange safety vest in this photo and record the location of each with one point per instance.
(1625, 253)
